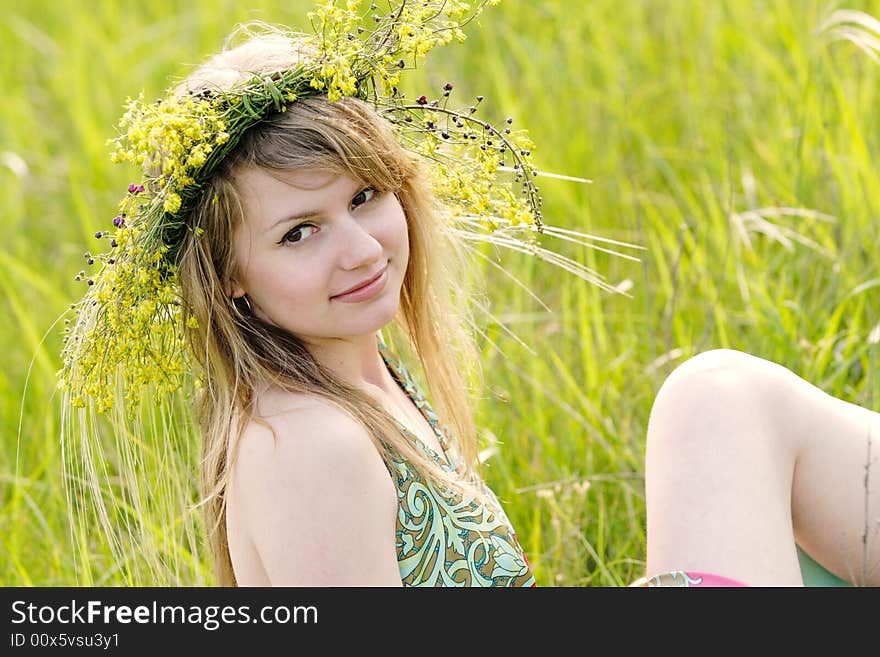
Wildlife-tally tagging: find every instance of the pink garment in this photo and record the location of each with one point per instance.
(687, 579)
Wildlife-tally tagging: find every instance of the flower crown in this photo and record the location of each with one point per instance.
(130, 321)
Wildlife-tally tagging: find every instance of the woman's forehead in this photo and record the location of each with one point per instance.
(312, 179)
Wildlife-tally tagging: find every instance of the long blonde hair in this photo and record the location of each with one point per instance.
(237, 351)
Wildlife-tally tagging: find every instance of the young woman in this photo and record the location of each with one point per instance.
(287, 227)
(295, 250)
(326, 235)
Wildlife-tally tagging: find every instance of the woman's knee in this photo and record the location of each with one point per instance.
(708, 382)
(714, 363)
(721, 395)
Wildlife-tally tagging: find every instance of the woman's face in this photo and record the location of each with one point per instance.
(319, 254)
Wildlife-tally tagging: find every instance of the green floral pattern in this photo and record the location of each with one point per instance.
(444, 538)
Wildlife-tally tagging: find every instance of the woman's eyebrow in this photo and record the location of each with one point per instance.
(306, 214)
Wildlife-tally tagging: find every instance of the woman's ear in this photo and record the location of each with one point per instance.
(234, 290)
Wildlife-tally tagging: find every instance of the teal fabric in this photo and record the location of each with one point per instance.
(444, 538)
(816, 575)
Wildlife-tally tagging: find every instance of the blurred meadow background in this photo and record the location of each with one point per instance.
(735, 141)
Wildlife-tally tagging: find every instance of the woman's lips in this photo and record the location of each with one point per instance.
(367, 291)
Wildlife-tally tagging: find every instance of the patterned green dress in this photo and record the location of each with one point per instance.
(443, 538)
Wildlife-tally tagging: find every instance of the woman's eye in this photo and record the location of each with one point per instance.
(299, 233)
(363, 196)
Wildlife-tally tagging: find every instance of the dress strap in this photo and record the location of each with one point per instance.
(449, 457)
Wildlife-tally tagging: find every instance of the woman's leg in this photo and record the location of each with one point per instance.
(744, 458)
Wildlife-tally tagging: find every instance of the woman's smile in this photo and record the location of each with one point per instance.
(365, 290)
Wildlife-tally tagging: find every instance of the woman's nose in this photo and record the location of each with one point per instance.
(357, 245)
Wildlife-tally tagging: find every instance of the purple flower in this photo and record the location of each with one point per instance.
(132, 188)
(118, 221)
(422, 100)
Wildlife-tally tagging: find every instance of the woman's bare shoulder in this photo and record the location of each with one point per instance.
(314, 495)
(306, 428)
(272, 401)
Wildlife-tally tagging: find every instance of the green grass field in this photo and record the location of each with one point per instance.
(736, 142)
